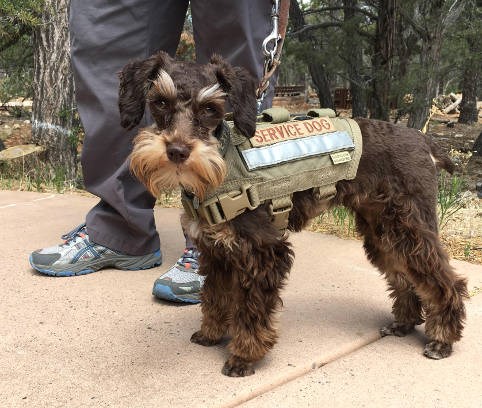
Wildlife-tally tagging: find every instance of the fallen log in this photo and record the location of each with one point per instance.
(452, 106)
(453, 97)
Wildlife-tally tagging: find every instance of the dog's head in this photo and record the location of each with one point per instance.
(187, 102)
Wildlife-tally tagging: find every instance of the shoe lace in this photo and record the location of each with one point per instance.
(189, 259)
(78, 231)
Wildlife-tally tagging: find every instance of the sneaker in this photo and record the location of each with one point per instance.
(181, 283)
(78, 256)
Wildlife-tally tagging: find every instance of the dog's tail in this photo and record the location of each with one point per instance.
(440, 158)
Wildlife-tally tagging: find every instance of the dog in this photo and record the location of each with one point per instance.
(245, 260)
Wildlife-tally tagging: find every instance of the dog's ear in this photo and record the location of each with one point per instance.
(135, 81)
(240, 87)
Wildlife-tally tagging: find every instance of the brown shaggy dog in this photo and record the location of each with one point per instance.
(246, 261)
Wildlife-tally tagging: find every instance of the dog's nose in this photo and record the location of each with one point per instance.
(177, 153)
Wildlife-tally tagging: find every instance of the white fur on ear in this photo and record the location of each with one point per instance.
(211, 92)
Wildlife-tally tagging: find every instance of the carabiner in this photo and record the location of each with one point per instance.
(274, 36)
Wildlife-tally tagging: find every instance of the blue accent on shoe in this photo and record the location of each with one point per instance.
(82, 272)
(82, 251)
(62, 274)
(67, 273)
(79, 256)
(165, 293)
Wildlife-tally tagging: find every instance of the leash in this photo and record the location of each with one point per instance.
(273, 45)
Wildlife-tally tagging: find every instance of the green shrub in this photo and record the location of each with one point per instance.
(451, 198)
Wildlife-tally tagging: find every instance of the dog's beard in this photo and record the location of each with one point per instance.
(204, 170)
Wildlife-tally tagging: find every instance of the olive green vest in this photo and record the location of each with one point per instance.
(284, 156)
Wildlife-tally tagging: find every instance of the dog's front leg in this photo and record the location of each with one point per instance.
(253, 334)
(215, 304)
(258, 279)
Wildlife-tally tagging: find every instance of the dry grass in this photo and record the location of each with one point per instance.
(467, 249)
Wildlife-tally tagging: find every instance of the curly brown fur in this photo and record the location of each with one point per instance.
(241, 297)
(394, 199)
(246, 261)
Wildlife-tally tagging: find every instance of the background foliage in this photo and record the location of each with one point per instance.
(17, 21)
(387, 49)
(394, 56)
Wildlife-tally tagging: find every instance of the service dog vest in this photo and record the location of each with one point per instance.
(284, 156)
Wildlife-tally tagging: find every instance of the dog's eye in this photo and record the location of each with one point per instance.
(210, 109)
(161, 103)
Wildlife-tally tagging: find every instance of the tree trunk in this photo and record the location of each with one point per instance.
(468, 106)
(382, 60)
(321, 84)
(354, 59)
(438, 16)
(426, 87)
(53, 102)
(315, 66)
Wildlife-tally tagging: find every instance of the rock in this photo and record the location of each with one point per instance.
(16, 126)
(5, 132)
(15, 152)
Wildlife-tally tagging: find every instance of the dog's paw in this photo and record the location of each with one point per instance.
(201, 339)
(237, 367)
(397, 329)
(437, 350)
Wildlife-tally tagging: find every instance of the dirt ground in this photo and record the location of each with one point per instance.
(463, 233)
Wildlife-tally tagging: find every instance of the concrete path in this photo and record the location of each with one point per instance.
(102, 340)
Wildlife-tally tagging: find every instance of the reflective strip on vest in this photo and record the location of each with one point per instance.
(296, 149)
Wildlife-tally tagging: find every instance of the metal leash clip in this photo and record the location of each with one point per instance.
(270, 49)
(274, 37)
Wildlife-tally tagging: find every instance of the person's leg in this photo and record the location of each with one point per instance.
(235, 30)
(105, 36)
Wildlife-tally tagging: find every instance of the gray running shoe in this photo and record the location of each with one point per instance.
(181, 283)
(78, 256)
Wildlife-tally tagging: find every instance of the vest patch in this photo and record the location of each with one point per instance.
(268, 135)
(340, 157)
(297, 149)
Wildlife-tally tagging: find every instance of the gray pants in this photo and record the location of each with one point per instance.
(105, 35)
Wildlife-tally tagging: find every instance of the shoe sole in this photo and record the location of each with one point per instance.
(126, 263)
(164, 292)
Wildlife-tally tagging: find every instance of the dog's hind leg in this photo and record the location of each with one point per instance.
(419, 269)
(407, 307)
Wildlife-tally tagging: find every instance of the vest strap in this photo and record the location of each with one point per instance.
(222, 207)
(279, 209)
(275, 115)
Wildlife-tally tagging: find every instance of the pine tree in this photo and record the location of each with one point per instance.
(471, 25)
(53, 101)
